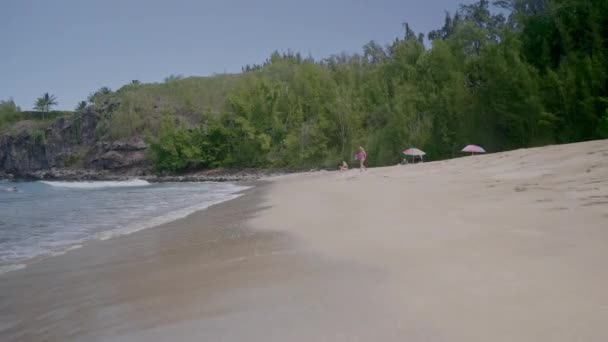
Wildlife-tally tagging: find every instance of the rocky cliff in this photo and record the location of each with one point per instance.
(70, 147)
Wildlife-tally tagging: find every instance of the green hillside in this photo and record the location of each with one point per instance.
(534, 77)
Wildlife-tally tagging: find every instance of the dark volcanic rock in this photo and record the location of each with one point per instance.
(4, 175)
(218, 175)
(76, 150)
(120, 155)
(66, 148)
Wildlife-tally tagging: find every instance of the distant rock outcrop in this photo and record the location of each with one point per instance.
(69, 147)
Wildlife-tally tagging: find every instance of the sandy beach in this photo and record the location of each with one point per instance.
(501, 247)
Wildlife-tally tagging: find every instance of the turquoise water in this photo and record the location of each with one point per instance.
(42, 219)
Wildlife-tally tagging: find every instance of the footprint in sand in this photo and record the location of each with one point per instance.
(589, 204)
(584, 189)
(596, 181)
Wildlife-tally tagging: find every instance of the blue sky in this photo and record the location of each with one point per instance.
(70, 48)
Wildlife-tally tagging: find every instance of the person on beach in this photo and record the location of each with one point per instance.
(344, 166)
(362, 156)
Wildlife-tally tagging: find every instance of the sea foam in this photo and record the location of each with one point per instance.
(157, 221)
(97, 184)
(49, 218)
(11, 267)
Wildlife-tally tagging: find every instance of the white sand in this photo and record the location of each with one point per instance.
(501, 247)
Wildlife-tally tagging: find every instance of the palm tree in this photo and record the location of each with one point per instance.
(44, 103)
(99, 93)
(81, 107)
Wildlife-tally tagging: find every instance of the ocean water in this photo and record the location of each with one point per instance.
(42, 219)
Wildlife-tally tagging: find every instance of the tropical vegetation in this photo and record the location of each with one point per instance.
(44, 104)
(520, 73)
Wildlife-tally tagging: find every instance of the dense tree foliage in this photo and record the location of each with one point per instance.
(535, 77)
(534, 72)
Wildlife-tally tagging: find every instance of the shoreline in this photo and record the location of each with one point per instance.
(500, 247)
(90, 175)
(102, 263)
(117, 233)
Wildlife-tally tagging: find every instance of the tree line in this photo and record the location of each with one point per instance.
(531, 73)
(535, 76)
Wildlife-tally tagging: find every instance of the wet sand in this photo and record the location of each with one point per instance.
(501, 247)
(152, 278)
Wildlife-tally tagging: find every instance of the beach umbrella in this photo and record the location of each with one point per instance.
(473, 149)
(414, 152)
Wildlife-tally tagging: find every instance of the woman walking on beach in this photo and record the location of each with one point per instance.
(362, 156)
